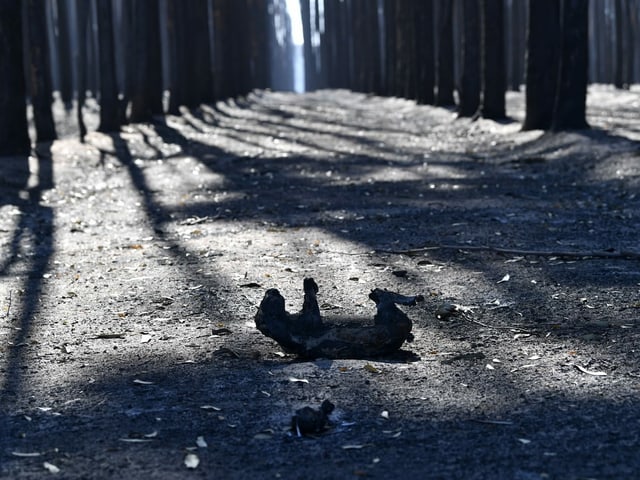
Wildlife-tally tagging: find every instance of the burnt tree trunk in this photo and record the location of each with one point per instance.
(543, 38)
(146, 86)
(82, 25)
(390, 47)
(309, 66)
(14, 135)
(64, 54)
(109, 111)
(444, 62)
(405, 45)
(470, 78)
(425, 55)
(176, 33)
(492, 65)
(39, 70)
(569, 110)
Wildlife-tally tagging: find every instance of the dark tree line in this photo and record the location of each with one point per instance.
(461, 54)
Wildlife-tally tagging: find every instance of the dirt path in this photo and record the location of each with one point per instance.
(132, 266)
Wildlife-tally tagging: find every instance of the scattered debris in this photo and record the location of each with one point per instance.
(310, 420)
(590, 372)
(50, 467)
(191, 461)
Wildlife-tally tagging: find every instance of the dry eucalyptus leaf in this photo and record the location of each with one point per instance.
(298, 380)
(506, 278)
(51, 467)
(591, 372)
(137, 381)
(370, 368)
(26, 454)
(210, 407)
(201, 442)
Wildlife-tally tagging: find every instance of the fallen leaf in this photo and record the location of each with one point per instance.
(506, 278)
(514, 260)
(137, 381)
(210, 407)
(590, 372)
(26, 454)
(524, 441)
(107, 336)
(521, 335)
(370, 368)
(51, 467)
(490, 367)
(385, 414)
(135, 440)
(298, 380)
(201, 442)
(353, 446)
(191, 460)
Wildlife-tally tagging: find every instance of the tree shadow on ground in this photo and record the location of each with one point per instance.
(29, 254)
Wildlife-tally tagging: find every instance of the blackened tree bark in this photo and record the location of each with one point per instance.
(39, 70)
(64, 54)
(543, 38)
(309, 64)
(618, 79)
(109, 115)
(569, 111)
(425, 55)
(198, 54)
(390, 47)
(366, 48)
(334, 44)
(176, 33)
(405, 55)
(630, 34)
(492, 51)
(82, 19)
(257, 47)
(444, 62)
(470, 81)
(14, 135)
(146, 86)
(517, 43)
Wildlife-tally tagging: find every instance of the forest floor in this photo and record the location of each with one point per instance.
(132, 265)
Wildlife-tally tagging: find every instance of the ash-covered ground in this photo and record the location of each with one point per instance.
(132, 266)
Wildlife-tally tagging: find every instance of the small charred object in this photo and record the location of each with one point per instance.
(307, 335)
(311, 420)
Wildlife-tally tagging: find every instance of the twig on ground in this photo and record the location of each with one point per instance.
(621, 254)
(6, 314)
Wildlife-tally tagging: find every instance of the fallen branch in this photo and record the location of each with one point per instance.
(6, 315)
(621, 254)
